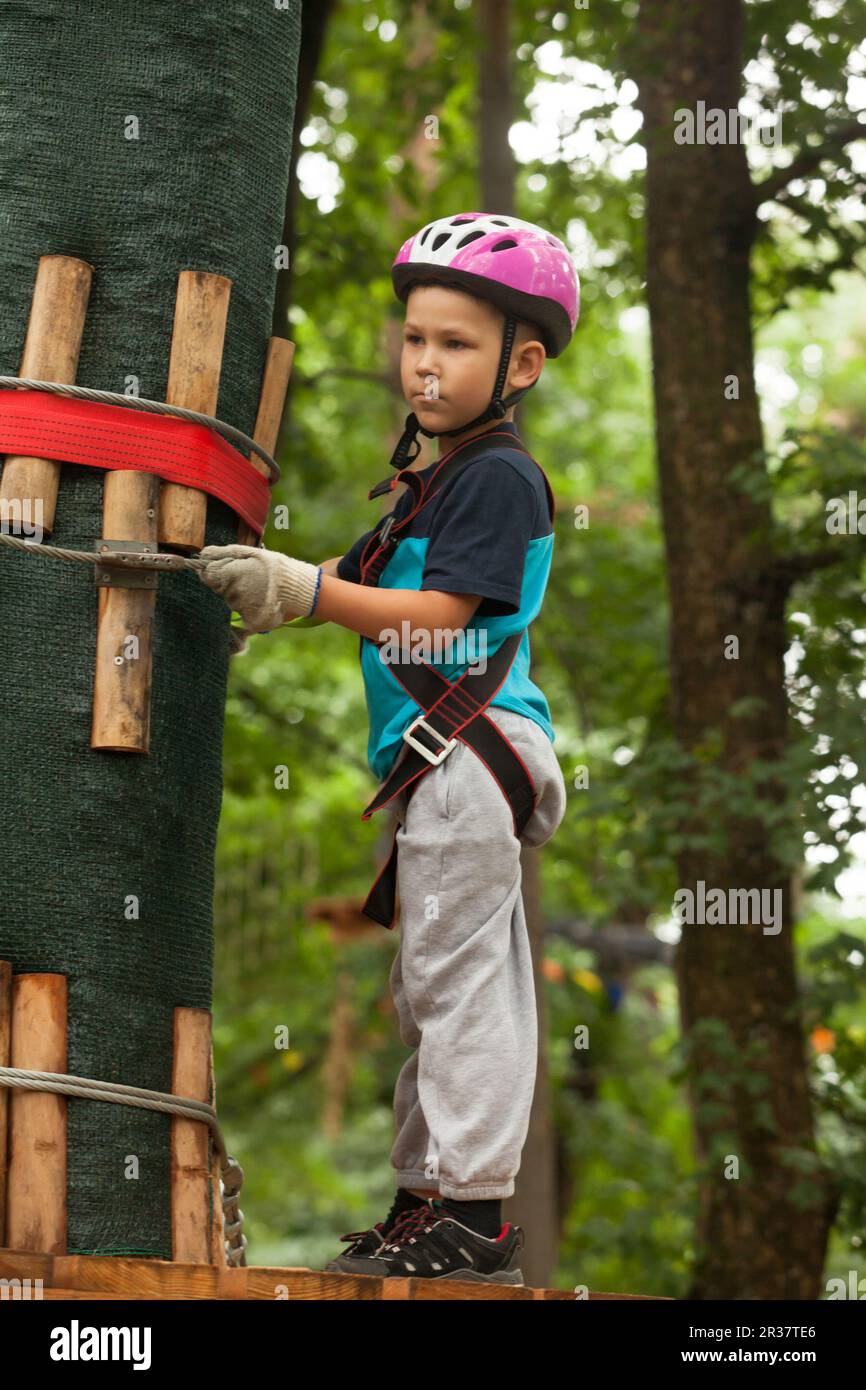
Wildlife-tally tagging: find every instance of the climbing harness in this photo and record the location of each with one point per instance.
(452, 712)
(85, 1088)
(527, 274)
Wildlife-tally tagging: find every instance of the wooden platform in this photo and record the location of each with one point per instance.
(105, 1277)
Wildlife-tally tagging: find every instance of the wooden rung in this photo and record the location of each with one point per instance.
(36, 1195)
(217, 1242)
(123, 671)
(5, 1054)
(190, 1176)
(272, 401)
(198, 334)
(51, 350)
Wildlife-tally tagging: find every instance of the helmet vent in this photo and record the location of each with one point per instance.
(461, 221)
(470, 236)
(499, 221)
(505, 245)
(440, 240)
(423, 237)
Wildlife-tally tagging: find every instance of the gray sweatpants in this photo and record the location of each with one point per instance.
(462, 979)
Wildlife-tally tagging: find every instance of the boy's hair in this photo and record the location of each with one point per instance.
(524, 327)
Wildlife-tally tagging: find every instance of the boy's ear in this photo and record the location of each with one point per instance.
(526, 333)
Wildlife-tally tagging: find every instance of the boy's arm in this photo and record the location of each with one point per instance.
(368, 610)
(266, 587)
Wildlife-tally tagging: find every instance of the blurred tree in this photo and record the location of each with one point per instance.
(764, 1235)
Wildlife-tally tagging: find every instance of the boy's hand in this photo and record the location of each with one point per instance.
(264, 586)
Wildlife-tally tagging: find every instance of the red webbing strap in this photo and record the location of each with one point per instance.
(35, 424)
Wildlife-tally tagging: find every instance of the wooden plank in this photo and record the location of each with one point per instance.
(26, 1264)
(198, 334)
(123, 670)
(134, 1277)
(232, 1283)
(5, 1053)
(448, 1290)
(166, 1279)
(36, 1195)
(272, 401)
(190, 1174)
(51, 351)
(309, 1285)
(87, 1295)
(125, 1277)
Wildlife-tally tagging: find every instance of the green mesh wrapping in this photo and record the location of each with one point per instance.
(204, 187)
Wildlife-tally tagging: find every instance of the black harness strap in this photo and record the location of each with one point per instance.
(452, 711)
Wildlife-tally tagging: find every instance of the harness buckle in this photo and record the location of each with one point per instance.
(433, 758)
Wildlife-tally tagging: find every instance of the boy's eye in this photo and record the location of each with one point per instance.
(452, 342)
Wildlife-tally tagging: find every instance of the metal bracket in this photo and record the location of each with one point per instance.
(132, 564)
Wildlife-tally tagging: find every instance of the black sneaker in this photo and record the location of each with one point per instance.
(430, 1244)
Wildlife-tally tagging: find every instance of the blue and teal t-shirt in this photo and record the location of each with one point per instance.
(487, 531)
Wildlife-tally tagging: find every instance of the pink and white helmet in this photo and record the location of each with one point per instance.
(522, 269)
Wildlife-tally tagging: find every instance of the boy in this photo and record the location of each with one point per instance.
(467, 763)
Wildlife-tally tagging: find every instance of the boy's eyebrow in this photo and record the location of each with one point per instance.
(466, 331)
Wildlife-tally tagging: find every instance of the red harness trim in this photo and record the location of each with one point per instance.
(34, 424)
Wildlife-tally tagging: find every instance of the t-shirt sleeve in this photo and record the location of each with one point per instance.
(349, 566)
(480, 534)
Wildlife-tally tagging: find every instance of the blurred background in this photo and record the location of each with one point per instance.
(712, 403)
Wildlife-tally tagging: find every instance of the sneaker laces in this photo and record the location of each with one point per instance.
(359, 1235)
(379, 1227)
(410, 1223)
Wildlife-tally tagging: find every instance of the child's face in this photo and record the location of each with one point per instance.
(451, 347)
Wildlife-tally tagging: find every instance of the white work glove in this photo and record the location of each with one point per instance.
(264, 586)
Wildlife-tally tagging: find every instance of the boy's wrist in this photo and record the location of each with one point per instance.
(297, 587)
(264, 586)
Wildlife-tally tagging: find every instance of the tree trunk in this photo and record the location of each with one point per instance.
(496, 113)
(533, 1204)
(146, 139)
(314, 27)
(762, 1231)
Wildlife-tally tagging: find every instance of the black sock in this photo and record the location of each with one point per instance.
(404, 1201)
(483, 1217)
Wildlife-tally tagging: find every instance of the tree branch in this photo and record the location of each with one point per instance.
(807, 160)
(786, 570)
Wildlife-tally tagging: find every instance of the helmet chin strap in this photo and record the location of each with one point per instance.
(496, 410)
